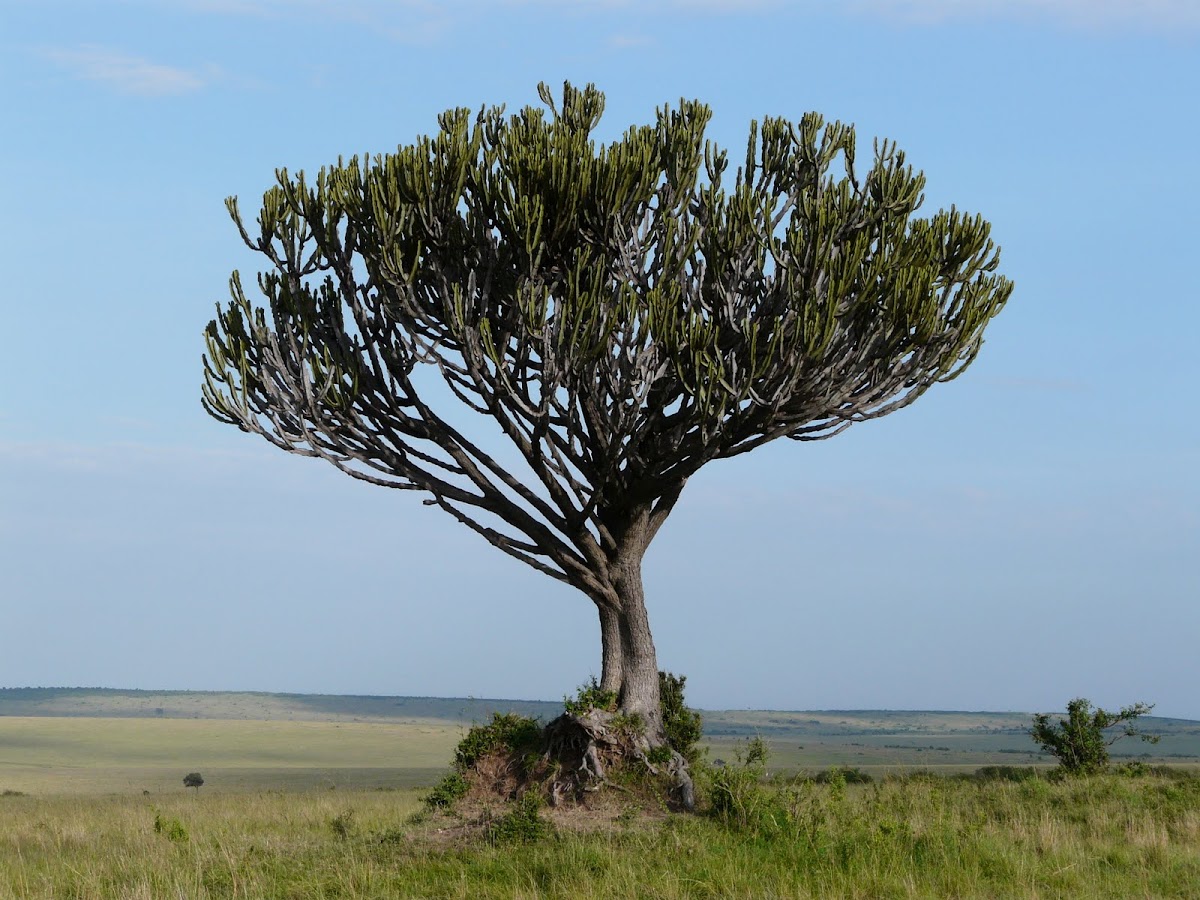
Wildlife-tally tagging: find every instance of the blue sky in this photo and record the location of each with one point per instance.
(1024, 535)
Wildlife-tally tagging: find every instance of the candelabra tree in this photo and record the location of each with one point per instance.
(624, 312)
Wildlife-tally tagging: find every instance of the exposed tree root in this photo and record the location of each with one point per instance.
(581, 756)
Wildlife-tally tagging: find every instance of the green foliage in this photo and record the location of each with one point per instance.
(660, 755)
(390, 837)
(550, 217)
(1078, 742)
(845, 774)
(523, 824)
(756, 753)
(684, 727)
(507, 731)
(631, 725)
(736, 793)
(1133, 769)
(452, 788)
(591, 696)
(193, 780)
(172, 828)
(1006, 773)
(342, 824)
(742, 797)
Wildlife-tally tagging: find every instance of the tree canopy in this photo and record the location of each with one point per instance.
(1079, 742)
(626, 312)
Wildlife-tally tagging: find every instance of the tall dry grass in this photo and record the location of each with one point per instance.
(913, 837)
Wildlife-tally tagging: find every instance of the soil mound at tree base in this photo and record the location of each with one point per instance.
(592, 764)
(587, 770)
(579, 761)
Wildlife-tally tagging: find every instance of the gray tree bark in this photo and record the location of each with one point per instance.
(630, 663)
(610, 644)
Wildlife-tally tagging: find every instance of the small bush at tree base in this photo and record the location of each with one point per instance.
(447, 792)
(523, 824)
(591, 696)
(659, 756)
(629, 724)
(507, 731)
(1078, 742)
(683, 726)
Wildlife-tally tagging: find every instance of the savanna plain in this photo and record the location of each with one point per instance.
(313, 797)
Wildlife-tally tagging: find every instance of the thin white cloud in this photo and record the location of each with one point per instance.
(425, 21)
(1156, 14)
(419, 22)
(628, 41)
(126, 73)
(1148, 14)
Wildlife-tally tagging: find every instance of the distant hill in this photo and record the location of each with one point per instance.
(117, 703)
(877, 740)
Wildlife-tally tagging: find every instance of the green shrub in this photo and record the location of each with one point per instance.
(736, 794)
(844, 774)
(172, 828)
(659, 756)
(591, 696)
(1134, 769)
(756, 754)
(447, 792)
(631, 725)
(523, 824)
(1006, 773)
(684, 727)
(342, 824)
(1078, 742)
(507, 731)
(390, 837)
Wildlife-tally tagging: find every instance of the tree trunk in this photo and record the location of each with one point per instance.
(639, 675)
(630, 662)
(610, 643)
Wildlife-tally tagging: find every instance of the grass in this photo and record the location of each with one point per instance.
(915, 837)
(74, 756)
(75, 823)
(76, 741)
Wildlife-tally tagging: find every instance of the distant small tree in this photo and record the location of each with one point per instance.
(1079, 742)
(193, 780)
